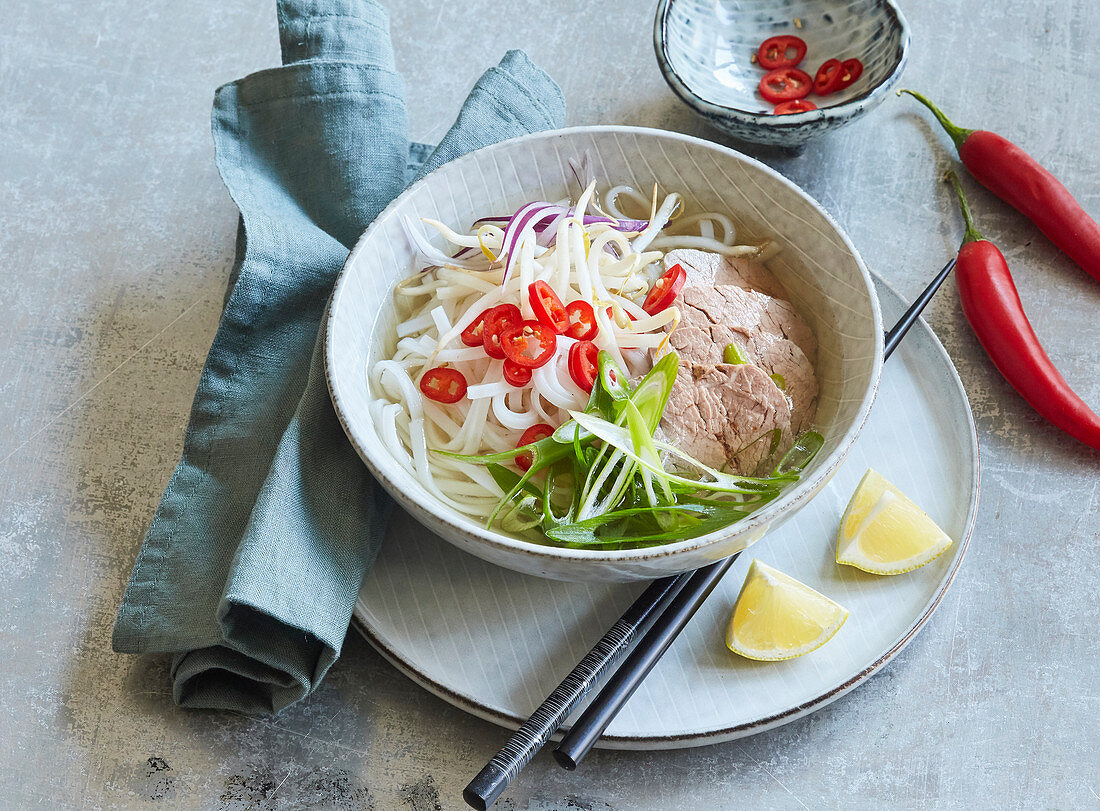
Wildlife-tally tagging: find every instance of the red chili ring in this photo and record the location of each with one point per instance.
(472, 335)
(533, 434)
(785, 84)
(827, 78)
(528, 343)
(583, 364)
(516, 375)
(443, 384)
(497, 320)
(582, 320)
(796, 106)
(852, 69)
(772, 52)
(665, 290)
(548, 307)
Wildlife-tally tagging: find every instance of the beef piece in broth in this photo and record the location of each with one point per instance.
(767, 330)
(732, 300)
(715, 412)
(707, 269)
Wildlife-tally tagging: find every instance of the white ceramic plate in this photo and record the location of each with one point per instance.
(496, 642)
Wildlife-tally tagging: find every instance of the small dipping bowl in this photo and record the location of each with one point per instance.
(706, 47)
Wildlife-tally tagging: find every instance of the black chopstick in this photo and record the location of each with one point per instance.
(897, 332)
(588, 728)
(544, 722)
(607, 703)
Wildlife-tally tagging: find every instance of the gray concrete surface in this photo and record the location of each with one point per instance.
(116, 239)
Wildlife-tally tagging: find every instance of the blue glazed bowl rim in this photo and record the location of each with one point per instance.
(790, 121)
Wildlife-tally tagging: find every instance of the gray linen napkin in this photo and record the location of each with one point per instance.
(252, 563)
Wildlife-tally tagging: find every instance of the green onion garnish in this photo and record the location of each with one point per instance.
(600, 480)
(734, 355)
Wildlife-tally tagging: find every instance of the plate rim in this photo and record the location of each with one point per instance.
(703, 738)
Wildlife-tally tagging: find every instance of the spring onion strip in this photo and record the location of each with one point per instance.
(621, 438)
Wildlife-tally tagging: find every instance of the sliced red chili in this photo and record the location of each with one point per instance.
(473, 334)
(827, 79)
(784, 51)
(851, 69)
(796, 106)
(665, 290)
(582, 320)
(532, 434)
(548, 307)
(516, 375)
(443, 384)
(497, 320)
(582, 364)
(785, 84)
(528, 343)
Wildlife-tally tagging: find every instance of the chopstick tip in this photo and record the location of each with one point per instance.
(474, 800)
(564, 760)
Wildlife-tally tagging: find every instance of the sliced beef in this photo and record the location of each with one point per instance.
(716, 412)
(758, 316)
(707, 269)
(716, 409)
(768, 330)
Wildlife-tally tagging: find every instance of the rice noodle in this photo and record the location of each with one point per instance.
(707, 244)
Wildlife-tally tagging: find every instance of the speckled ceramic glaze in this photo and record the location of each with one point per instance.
(705, 50)
(822, 271)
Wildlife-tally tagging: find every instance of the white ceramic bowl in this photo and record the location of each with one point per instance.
(817, 263)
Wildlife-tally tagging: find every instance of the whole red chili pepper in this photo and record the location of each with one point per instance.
(1019, 180)
(993, 308)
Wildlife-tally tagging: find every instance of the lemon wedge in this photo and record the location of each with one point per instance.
(883, 532)
(777, 617)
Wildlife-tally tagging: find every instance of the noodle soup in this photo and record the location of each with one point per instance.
(612, 372)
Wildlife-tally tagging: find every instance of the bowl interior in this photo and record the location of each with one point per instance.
(819, 267)
(709, 44)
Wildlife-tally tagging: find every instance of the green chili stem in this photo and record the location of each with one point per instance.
(957, 133)
(972, 233)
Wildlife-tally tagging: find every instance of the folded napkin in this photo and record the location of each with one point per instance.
(253, 561)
